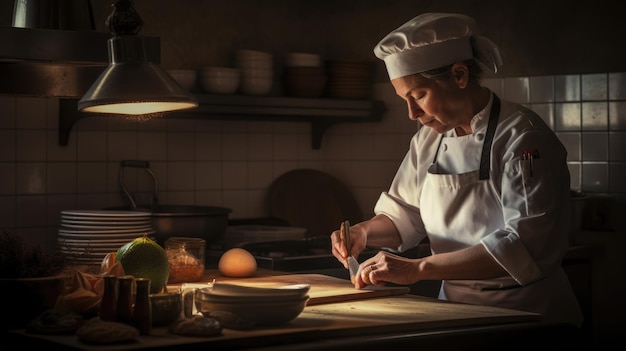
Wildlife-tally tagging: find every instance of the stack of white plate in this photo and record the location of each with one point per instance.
(86, 236)
(255, 305)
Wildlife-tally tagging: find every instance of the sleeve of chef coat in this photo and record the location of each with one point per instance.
(535, 207)
(401, 202)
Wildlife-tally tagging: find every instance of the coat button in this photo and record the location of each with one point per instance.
(444, 147)
(480, 136)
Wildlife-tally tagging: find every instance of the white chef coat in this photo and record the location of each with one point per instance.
(520, 214)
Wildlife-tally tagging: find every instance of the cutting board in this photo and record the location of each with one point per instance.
(324, 289)
(314, 200)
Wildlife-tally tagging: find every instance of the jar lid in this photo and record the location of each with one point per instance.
(185, 240)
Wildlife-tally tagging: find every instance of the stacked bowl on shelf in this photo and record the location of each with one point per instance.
(257, 71)
(349, 80)
(304, 75)
(86, 237)
(219, 80)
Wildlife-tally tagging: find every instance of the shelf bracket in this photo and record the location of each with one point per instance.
(68, 116)
(317, 133)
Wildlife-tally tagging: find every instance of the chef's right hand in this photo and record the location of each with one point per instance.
(357, 238)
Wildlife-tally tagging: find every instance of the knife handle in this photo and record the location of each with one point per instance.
(344, 234)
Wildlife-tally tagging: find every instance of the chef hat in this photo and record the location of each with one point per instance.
(434, 40)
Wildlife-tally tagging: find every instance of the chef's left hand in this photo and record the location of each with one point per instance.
(386, 267)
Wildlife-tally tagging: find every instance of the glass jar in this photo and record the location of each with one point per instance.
(186, 258)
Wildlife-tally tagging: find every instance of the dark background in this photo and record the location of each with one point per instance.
(537, 37)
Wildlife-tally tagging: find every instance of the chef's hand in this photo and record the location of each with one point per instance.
(386, 267)
(357, 238)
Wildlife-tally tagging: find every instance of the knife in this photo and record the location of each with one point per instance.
(353, 264)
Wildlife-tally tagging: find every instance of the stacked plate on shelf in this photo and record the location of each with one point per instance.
(86, 236)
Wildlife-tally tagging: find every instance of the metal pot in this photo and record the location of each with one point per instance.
(206, 222)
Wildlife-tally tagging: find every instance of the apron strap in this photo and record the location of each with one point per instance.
(485, 158)
(437, 151)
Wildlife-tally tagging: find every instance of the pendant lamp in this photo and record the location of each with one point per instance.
(131, 85)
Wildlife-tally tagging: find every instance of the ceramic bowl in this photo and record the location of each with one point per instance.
(254, 60)
(220, 80)
(258, 311)
(166, 308)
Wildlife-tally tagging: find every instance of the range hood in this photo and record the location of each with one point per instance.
(53, 50)
(55, 63)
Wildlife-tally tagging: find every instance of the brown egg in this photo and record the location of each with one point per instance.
(237, 263)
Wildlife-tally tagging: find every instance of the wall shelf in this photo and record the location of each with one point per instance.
(321, 113)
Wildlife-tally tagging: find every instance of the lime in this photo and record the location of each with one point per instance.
(145, 258)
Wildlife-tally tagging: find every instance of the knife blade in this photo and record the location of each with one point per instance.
(353, 264)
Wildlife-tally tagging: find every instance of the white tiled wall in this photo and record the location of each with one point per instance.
(202, 162)
(232, 164)
(588, 113)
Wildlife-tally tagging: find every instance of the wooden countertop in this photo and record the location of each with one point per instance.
(375, 316)
(355, 316)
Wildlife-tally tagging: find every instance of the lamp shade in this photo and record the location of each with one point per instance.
(133, 86)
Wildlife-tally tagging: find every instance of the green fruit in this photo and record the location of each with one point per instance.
(144, 258)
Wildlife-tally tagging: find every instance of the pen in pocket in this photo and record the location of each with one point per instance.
(530, 156)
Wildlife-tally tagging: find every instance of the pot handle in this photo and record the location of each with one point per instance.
(138, 164)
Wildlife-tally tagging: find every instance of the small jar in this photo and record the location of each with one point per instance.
(186, 258)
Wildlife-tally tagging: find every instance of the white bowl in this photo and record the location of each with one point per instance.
(256, 86)
(257, 60)
(220, 80)
(274, 312)
(185, 77)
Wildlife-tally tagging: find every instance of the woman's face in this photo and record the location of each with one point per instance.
(438, 104)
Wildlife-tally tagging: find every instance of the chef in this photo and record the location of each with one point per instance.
(484, 180)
